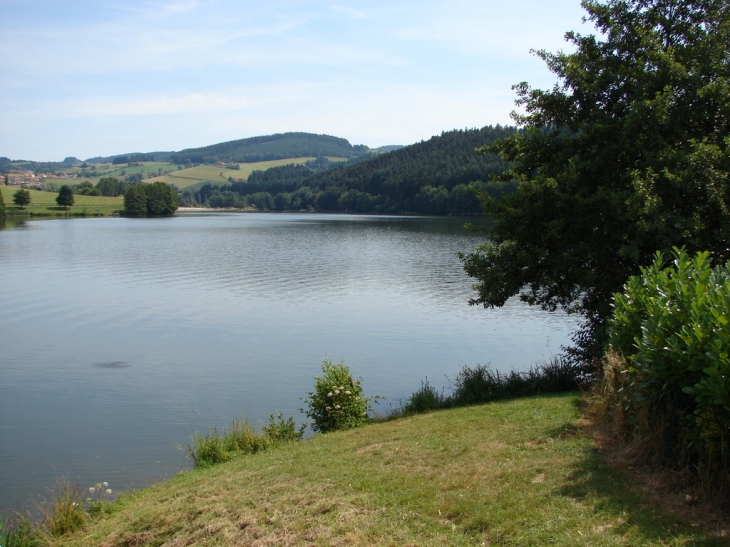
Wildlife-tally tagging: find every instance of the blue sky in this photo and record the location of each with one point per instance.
(88, 78)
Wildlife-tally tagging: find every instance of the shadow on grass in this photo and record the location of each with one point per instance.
(610, 492)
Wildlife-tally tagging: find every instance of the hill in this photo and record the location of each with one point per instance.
(270, 147)
(131, 157)
(509, 473)
(430, 177)
(196, 176)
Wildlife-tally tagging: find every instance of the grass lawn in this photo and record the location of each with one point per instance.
(516, 473)
(44, 204)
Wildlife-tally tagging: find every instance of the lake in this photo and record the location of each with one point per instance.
(120, 336)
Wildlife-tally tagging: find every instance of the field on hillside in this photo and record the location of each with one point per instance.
(516, 473)
(44, 204)
(217, 174)
(108, 170)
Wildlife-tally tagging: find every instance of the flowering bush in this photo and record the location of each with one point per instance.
(337, 401)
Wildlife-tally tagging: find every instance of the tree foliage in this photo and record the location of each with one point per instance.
(156, 199)
(65, 196)
(21, 198)
(626, 155)
(112, 187)
(135, 201)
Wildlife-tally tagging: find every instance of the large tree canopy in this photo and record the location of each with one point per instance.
(626, 155)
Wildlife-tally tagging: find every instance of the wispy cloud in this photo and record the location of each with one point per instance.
(395, 68)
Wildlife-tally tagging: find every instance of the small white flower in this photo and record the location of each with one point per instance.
(108, 490)
(328, 408)
(329, 394)
(338, 407)
(337, 392)
(105, 484)
(348, 392)
(91, 488)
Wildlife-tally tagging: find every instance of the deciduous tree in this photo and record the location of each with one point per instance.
(627, 155)
(65, 197)
(21, 198)
(135, 201)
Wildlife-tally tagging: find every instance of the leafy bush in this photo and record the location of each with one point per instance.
(425, 399)
(281, 430)
(337, 401)
(672, 324)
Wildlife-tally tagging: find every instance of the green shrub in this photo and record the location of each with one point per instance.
(337, 401)
(672, 324)
(207, 449)
(281, 430)
(242, 438)
(425, 399)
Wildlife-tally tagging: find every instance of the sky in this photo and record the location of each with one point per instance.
(104, 77)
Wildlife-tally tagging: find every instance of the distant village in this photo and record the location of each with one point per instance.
(27, 179)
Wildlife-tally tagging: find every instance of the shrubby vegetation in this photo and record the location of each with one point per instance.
(666, 382)
(241, 438)
(482, 384)
(337, 401)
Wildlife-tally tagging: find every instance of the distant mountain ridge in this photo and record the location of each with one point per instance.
(271, 147)
(158, 156)
(248, 150)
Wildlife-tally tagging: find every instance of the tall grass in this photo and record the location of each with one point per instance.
(482, 384)
(240, 438)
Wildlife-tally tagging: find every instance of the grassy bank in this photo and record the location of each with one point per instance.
(506, 473)
(44, 204)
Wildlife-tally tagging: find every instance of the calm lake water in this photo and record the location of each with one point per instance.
(118, 337)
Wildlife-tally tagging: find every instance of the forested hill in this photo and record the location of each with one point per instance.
(271, 147)
(430, 177)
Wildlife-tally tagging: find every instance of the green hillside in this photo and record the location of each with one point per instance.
(270, 147)
(430, 177)
(219, 175)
